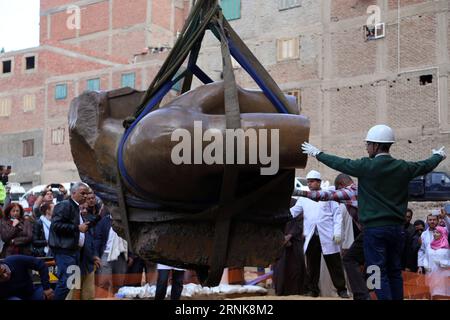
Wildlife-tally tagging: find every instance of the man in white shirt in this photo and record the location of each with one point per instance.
(322, 230)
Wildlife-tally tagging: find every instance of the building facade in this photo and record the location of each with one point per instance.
(84, 45)
(347, 76)
(350, 78)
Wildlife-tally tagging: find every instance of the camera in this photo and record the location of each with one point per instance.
(55, 185)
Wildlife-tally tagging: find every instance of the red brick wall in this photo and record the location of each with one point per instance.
(49, 4)
(360, 100)
(417, 42)
(128, 43)
(57, 64)
(21, 79)
(411, 104)
(43, 30)
(59, 30)
(59, 108)
(351, 54)
(20, 121)
(60, 152)
(94, 18)
(161, 13)
(345, 9)
(393, 4)
(179, 19)
(129, 12)
(98, 44)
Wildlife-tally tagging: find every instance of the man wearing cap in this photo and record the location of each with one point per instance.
(382, 200)
(322, 223)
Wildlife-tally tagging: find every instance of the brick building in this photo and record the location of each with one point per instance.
(109, 50)
(319, 51)
(347, 77)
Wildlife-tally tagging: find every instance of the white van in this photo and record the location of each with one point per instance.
(16, 191)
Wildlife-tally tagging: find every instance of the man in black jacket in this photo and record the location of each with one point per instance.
(66, 237)
(16, 282)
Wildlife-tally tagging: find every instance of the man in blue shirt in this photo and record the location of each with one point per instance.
(16, 282)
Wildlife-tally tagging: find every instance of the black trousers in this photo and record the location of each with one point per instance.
(177, 284)
(353, 260)
(333, 262)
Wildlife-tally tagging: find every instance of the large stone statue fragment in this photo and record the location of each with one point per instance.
(163, 209)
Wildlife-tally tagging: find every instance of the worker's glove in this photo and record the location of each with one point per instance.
(440, 152)
(337, 239)
(310, 150)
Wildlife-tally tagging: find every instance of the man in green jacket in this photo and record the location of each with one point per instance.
(382, 201)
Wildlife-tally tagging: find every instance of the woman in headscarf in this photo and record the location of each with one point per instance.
(439, 264)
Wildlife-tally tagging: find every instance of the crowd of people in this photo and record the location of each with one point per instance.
(378, 206)
(356, 230)
(74, 230)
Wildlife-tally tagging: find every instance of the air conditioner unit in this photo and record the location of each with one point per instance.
(374, 32)
(379, 30)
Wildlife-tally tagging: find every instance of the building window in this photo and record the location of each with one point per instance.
(28, 148)
(58, 136)
(231, 9)
(93, 84)
(128, 80)
(30, 63)
(29, 102)
(61, 91)
(6, 66)
(426, 79)
(288, 49)
(288, 4)
(297, 94)
(5, 107)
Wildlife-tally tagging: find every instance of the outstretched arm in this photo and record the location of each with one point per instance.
(354, 168)
(321, 195)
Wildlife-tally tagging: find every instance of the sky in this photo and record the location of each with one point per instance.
(19, 24)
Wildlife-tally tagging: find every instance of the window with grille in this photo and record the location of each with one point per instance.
(93, 84)
(128, 80)
(231, 9)
(29, 102)
(288, 4)
(5, 107)
(297, 94)
(58, 136)
(28, 148)
(61, 91)
(288, 49)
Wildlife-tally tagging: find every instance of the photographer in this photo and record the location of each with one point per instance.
(46, 196)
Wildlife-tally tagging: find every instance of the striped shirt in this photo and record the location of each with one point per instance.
(347, 196)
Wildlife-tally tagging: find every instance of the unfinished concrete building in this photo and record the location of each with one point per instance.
(347, 77)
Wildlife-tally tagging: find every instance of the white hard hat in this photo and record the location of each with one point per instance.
(313, 174)
(381, 134)
(435, 212)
